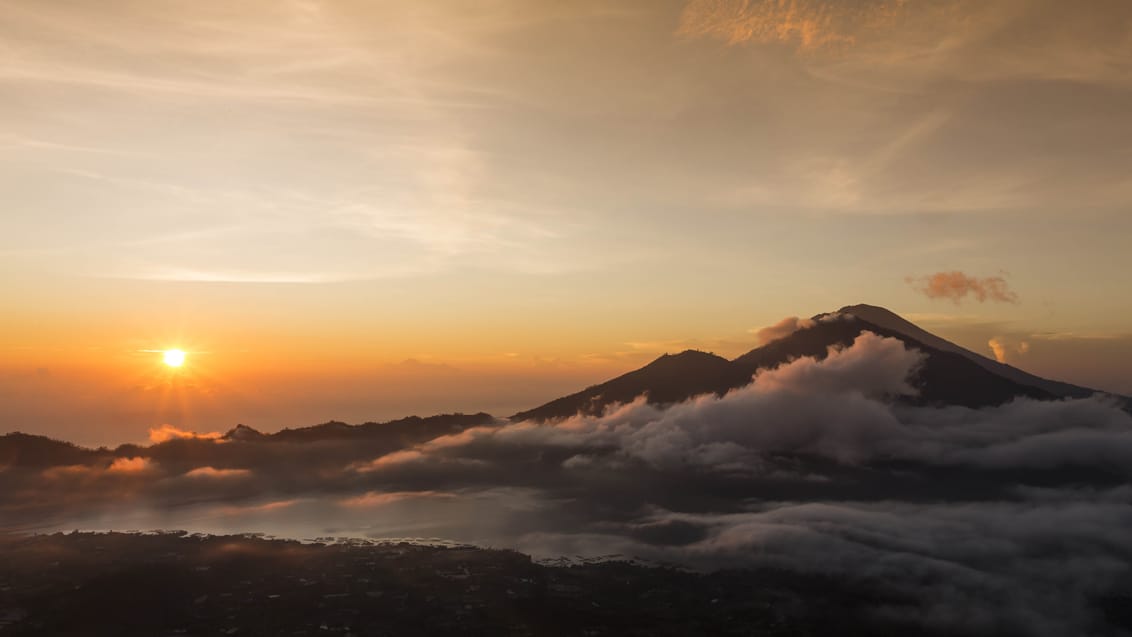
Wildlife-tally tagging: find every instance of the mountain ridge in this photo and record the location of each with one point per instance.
(951, 375)
(23, 449)
(667, 379)
(884, 317)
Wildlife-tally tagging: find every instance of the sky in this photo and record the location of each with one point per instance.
(364, 210)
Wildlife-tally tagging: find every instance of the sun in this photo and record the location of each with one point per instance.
(173, 357)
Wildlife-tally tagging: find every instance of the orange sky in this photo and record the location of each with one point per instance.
(529, 197)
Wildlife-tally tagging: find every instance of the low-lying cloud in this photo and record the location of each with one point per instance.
(165, 433)
(1003, 520)
(214, 473)
(130, 465)
(957, 286)
(782, 329)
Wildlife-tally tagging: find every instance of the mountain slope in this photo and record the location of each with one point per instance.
(408, 430)
(945, 378)
(882, 317)
(951, 375)
(668, 379)
(26, 450)
(18, 449)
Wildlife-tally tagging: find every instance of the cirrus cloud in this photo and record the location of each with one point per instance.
(806, 25)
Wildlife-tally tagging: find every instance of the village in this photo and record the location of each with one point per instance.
(182, 584)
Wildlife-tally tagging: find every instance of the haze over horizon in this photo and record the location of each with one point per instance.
(361, 211)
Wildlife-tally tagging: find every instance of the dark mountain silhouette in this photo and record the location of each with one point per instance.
(409, 430)
(887, 319)
(27, 450)
(244, 433)
(670, 378)
(32, 451)
(950, 375)
(945, 378)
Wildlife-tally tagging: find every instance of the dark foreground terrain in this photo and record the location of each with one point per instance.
(179, 584)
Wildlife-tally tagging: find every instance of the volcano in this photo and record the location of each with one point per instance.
(950, 374)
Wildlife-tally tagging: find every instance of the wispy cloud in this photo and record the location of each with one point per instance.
(130, 465)
(218, 474)
(397, 163)
(377, 499)
(936, 37)
(167, 432)
(958, 286)
(807, 25)
(782, 329)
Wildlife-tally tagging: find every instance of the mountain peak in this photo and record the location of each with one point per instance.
(872, 313)
(688, 355)
(243, 432)
(889, 320)
(865, 307)
(951, 375)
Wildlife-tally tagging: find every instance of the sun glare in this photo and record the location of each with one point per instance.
(173, 357)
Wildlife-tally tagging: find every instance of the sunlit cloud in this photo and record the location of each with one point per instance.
(1002, 348)
(392, 459)
(168, 432)
(130, 465)
(212, 472)
(266, 507)
(376, 499)
(807, 25)
(782, 329)
(63, 472)
(998, 349)
(958, 286)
